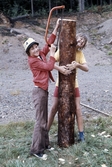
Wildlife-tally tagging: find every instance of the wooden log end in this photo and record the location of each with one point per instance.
(68, 20)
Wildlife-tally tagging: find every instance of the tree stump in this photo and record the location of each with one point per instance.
(66, 105)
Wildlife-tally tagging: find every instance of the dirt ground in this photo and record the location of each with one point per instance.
(16, 79)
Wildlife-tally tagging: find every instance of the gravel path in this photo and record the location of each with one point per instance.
(15, 95)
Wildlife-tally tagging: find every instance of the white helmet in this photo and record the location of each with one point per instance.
(28, 44)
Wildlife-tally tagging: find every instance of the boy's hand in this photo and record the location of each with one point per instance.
(56, 27)
(52, 50)
(72, 66)
(58, 23)
(64, 70)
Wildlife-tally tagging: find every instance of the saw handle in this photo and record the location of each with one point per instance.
(48, 22)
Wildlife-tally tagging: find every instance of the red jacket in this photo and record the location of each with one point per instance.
(41, 68)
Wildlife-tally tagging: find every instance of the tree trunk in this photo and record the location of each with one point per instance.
(71, 4)
(101, 2)
(81, 6)
(49, 5)
(32, 8)
(66, 105)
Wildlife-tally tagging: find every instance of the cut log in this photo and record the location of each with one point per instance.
(66, 105)
(10, 21)
(13, 19)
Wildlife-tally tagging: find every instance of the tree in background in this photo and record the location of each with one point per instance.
(32, 8)
(81, 6)
(49, 5)
(13, 8)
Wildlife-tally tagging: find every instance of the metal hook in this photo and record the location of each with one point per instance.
(46, 32)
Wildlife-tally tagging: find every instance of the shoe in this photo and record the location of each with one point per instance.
(40, 155)
(49, 148)
(81, 137)
(81, 140)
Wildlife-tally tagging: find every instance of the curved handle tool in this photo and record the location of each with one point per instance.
(48, 22)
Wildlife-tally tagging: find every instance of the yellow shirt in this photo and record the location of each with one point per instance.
(79, 59)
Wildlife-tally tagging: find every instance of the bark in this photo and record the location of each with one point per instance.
(66, 105)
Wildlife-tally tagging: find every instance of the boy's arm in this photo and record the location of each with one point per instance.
(56, 27)
(75, 65)
(53, 35)
(83, 67)
(51, 39)
(62, 69)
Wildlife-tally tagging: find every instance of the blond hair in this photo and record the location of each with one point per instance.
(84, 37)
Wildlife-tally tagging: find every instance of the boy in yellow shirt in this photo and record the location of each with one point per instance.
(79, 63)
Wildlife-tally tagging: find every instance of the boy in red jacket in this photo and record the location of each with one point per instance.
(41, 70)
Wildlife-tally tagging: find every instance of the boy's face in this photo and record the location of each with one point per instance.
(80, 42)
(34, 50)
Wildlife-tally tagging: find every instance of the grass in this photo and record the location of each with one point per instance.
(110, 53)
(15, 140)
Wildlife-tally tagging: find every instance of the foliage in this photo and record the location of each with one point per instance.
(110, 53)
(20, 7)
(15, 139)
